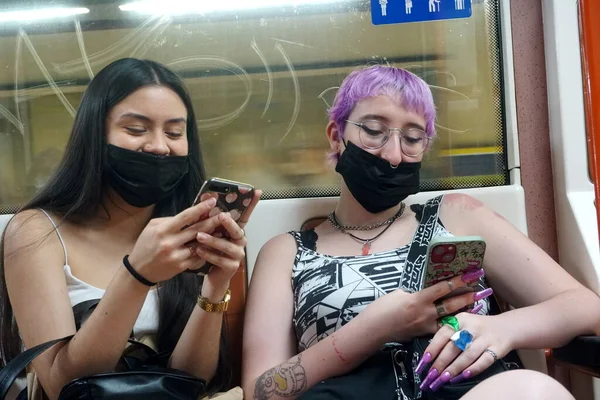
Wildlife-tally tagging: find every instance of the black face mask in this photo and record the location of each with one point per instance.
(143, 179)
(372, 180)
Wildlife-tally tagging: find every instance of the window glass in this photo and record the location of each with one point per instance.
(261, 81)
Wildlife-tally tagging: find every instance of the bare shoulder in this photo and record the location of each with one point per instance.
(27, 231)
(26, 225)
(461, 203)
(463, 214)
(278, 252)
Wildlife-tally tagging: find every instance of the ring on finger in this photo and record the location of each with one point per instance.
(451, 321)
(462, 339)
(440, 309)
(492, 353)
(450, 284)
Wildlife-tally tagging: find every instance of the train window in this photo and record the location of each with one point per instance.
(261, 79)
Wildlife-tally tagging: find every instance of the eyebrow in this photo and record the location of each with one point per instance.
(383, 119)
(147, 119)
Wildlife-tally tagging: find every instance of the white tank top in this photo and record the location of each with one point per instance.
(80, 291)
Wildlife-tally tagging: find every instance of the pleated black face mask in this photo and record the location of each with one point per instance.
(143, 179)
(373, 182)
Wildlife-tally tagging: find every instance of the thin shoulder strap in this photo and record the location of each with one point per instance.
(59, 235)
(412, 275)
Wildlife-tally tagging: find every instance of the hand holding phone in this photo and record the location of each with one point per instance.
(448, 257)
(232, 197)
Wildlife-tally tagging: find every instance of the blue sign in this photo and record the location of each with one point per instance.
(404, 11)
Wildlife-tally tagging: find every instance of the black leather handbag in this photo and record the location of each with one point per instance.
(141, 374)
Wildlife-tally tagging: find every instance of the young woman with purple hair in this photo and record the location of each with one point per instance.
(343, 329)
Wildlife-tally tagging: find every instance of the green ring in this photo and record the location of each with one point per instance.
(451, 321)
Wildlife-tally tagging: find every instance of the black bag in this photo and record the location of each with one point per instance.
(390, 374)
(143, 378)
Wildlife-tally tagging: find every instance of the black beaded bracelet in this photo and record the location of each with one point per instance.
(134, 273)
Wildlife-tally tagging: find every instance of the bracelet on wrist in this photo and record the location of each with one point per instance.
(135, 274)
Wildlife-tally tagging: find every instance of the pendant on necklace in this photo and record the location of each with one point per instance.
(366, 247)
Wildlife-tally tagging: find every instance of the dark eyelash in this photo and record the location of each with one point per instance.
(371, 131)
(134, 130)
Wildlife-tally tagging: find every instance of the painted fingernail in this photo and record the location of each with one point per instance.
(483, 294)
(473, 276)
(459, 378)
(445, 377)
(426, 359)
(476, 309)
(433, 374)
(202, 236)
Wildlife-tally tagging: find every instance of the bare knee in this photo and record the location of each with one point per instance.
(519, 384)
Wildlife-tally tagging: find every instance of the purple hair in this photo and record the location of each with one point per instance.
(403, 87)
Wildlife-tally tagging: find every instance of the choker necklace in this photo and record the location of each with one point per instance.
(332, 219)
(365, 242)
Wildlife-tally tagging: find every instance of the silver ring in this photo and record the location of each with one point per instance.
(450, 284)
(491, 352)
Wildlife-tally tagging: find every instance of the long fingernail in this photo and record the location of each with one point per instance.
(426, 359)
(459, 378)
(476, 309)
(433, 373)
(473, 276)
(483, 294)
(445, 377)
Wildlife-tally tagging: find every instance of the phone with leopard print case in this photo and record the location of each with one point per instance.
(232, 197)
(448, 257)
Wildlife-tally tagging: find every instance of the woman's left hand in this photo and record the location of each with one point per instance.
(451, 364)
(224, 253)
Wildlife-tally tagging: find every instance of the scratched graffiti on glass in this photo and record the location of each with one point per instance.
(261, 82)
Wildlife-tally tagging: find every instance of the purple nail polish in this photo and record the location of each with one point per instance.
(445, 377)
(433, 374)
(477, 308)
(483, 294)
(426, 359)
(459, 378)
(473, 276)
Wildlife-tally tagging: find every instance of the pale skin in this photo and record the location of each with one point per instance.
(153, 120)
(519, 272)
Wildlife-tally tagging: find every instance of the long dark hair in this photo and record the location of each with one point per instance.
(74, 192)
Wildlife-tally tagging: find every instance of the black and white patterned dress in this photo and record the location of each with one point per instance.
(331, 290)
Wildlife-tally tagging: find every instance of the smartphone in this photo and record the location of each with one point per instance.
(232, 197)
(448, 257)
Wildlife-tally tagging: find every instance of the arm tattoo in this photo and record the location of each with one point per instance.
(285, 380)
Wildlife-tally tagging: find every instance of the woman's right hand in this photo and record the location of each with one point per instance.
(161, 252)
(409, 315)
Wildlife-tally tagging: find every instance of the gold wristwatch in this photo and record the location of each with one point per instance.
(221, 306)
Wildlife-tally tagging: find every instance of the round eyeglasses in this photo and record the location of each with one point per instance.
(375, 134)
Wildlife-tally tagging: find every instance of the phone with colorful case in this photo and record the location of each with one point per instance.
(448, 257)
(232, 197)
